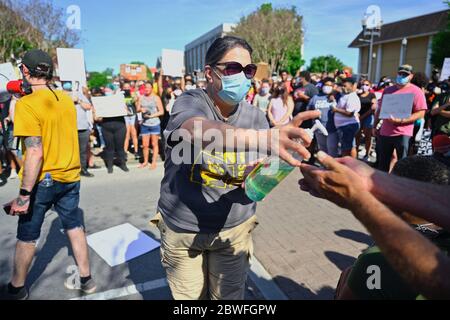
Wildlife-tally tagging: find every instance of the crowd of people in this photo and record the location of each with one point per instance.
(204, 216)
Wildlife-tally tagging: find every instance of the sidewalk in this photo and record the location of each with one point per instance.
(305, 243)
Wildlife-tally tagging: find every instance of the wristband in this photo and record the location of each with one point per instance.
(25, 193)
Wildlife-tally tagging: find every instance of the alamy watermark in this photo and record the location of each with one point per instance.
(73, 21)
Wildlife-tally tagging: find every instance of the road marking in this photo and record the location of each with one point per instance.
(126, 291)
(264, 282)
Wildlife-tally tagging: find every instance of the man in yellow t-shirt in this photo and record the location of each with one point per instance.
(46, 121)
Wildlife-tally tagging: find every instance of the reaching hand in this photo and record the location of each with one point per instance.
(287, 136)
(342, 181)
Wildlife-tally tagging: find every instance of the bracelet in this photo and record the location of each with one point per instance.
(25, 193)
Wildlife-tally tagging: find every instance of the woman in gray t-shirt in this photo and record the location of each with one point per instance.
(152, 108)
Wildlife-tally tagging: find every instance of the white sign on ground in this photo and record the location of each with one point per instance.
(172, 62)
(110, 106)
(397, 106)
(445, 74)
(120, 244)
(71, 65)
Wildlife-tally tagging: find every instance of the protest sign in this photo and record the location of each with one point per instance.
(397, 106)
(7, 73)
(110, 106)
(172, 62)
(120, 244)
(445, 74)
(263, 71)
(71, 65)
(133, 72)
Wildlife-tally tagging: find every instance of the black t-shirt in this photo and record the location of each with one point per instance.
(366, 103)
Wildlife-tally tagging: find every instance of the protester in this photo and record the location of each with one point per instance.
(346, 117)
(393, 287)
(325, 102)
(440, 113)
(353, 185)
(368, 108)
(284, 74)
(46, 122)
(205, 218)
(281, 107)
(262, 99)
(152, 108)
(303, 93)
(396, 133)
(130, 120)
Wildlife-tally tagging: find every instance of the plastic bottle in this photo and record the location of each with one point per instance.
(48, 181)
(269, 173)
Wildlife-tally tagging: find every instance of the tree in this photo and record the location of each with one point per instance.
(441, 45)
(325, 63)
(276, 36)
(26, 24)
(98, 79)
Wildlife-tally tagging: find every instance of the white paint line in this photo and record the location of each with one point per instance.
(264, 282)
(126, 291)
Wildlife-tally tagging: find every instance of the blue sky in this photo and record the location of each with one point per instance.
(115, 32)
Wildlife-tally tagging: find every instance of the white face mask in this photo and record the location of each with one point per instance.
(365, 88)
(437, 91)
(327, 90)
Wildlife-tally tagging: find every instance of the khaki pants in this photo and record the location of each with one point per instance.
(207, 266)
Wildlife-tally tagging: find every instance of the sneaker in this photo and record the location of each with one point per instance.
(22, 294)
(86, 174)
(110, 170)
(137, 156)
(13, 175)
(87, 288)
(124, 168)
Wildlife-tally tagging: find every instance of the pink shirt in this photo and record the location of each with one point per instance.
(389, 129)
(279, 110)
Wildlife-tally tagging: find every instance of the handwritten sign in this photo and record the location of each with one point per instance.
(110, 106)
(445, 74)
(172, 62)
(397, 106)
(71, 65)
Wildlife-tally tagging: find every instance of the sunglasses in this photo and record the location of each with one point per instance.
(233, 68)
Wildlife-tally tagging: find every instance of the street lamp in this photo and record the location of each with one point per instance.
(403, 51)
(371, 25)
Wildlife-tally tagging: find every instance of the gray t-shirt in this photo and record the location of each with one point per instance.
(150, 104)
(82, 114)
(205, 195)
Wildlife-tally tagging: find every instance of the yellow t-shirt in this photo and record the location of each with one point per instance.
(41, 115)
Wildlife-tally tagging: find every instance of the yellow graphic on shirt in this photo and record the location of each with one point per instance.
(221, 170)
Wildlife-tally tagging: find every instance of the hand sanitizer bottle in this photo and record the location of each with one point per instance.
(269, 173)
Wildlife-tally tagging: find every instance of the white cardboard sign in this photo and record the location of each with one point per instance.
(7, 72)
(110, 106)
(445, 73)
(172, 62)
(71, 65)
(397, 106)
(120, 244)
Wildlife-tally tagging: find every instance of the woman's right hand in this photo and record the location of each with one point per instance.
(283, 138)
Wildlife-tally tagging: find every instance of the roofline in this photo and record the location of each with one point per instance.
(415, 17)
(221, 26)
(427, 34)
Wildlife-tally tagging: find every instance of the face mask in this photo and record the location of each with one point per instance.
(437, 91)
(127, 93)
(67, 86)
(234, 88)
(403, 81)
(365, 88)
(265, 91)
(327, 89)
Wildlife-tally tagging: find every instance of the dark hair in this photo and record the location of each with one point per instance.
(283, 71)
(328, 79)
(420, 80)
(221, 46)
(349, 80)
(425, 169)
(306, 75)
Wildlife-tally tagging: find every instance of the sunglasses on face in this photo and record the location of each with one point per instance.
(232, 68)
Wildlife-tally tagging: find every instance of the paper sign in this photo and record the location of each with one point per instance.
(172, 62)
(445, 74)
(133, 72)
(120, 244)
(110, 106)
(397, 106)
(7, 72)
(263, 72)
(71, 65)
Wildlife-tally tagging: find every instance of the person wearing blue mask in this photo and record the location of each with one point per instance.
(395, 134)
(204, 216)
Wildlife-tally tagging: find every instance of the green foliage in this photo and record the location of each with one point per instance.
(325, 63)
(276, 36)
(98, 79)
(441, 45)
